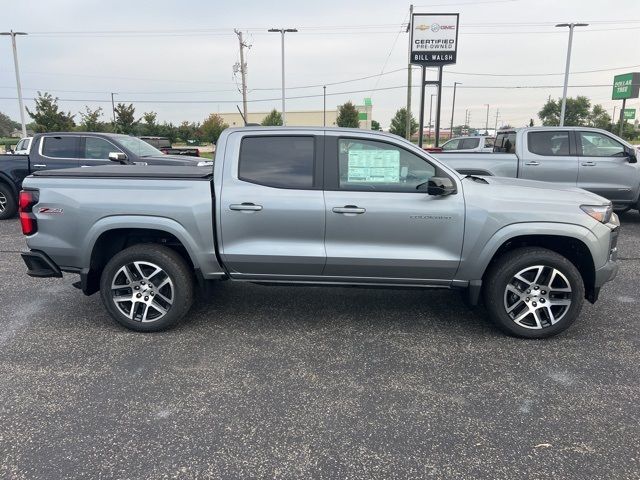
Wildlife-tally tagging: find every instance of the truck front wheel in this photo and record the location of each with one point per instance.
(8, 204)
(147, 287)
(533, 292)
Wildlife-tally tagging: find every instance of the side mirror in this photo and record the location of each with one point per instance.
(633, 156)
(118, 157)
(440, 186)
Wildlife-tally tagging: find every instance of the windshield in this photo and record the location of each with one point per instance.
(138, 147)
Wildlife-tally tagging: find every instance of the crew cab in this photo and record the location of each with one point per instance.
(49, 151)
(314, 206)
(589, 158)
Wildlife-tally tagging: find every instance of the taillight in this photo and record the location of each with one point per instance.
(197, 152)
(26, 201)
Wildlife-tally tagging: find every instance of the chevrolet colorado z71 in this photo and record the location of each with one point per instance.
(319, 207)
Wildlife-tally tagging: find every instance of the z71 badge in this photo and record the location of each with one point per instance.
(51, 211)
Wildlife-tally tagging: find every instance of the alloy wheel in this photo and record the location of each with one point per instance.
(142, 291)
(3, 202)
(537, 297)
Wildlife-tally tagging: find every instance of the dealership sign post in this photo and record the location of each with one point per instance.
(625, 86)
(434, 43)
(629, 113)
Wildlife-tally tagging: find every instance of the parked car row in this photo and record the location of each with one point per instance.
(52, 151)
(164, 145)
(314, 206)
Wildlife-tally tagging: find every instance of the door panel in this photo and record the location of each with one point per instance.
(549, 156)
(379, 224)
(399, 235)
(273, 230)
(605, 168)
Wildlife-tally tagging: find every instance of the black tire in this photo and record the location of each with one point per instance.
(180, 285)
(541, 324)
(8, 202)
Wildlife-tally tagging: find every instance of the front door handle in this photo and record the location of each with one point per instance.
(533, 163)
(245, 207)
(588, 164)
(39, 165)
(348, 209)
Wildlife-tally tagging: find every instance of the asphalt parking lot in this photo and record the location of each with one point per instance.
(270, 382)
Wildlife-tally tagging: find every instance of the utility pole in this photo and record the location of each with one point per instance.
(15, 64)
(495, 129)
(453, 107)
(408, 118)
(486, 127)
(282, 31)
(566, 70)
(243, 73)
(113, 108)
(613, 118)
(324, 105)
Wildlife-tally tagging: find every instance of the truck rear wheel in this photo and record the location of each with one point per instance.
(8, 204)
(147, 287)
(533, 292)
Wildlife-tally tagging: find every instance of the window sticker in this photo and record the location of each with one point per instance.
(374, 166)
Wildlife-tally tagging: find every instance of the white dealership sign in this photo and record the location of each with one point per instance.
(434, 38)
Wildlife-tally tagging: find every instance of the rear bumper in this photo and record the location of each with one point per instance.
(40, 265)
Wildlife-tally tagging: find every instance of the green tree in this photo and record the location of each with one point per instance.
(399, 123)
(168, 130)
(348, 116)
(125, 118)
(577, 112)
(149, 126)
(91, 120)
(48, 117)
(186, 131)
(599, 118)
(375, 125)
(212, 127)
(273, 119)
(7, 125)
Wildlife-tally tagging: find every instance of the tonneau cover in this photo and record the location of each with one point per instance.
(130, 171)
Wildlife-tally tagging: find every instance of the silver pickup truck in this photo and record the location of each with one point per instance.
(589, 158)
(319, 207)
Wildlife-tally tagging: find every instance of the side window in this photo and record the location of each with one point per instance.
(596, 144)
(278, 161)
(371, 165)
(61, 147)
(549, 144)
(98, 148)
(488, 142)
(451, 144)
(20, 145)
(469, 143)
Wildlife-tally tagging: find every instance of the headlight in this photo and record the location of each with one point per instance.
(205, 164)
(601, 213)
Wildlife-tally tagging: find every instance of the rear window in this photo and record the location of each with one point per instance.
(278, 161)
(61, 147)
(549, 144)
(505, 142)
(469, 143)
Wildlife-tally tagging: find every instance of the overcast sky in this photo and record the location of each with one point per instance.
(166, 51)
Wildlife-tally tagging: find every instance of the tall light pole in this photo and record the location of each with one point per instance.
(566, 70)
(282, 31)
(15, 63)
(486, 127)
(324, 105)
(453, 107)
(430, 112)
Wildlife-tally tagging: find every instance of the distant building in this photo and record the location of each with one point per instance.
(304, 118)
(16, 133)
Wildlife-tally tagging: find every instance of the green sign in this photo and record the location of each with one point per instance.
(626, 85)
(629, 113)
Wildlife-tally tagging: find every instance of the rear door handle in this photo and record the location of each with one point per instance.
(532, 163)
(39, 165)
(245, 207)
(588, 164)
(348, 209)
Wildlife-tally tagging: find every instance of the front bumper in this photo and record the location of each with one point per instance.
(40, 265)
